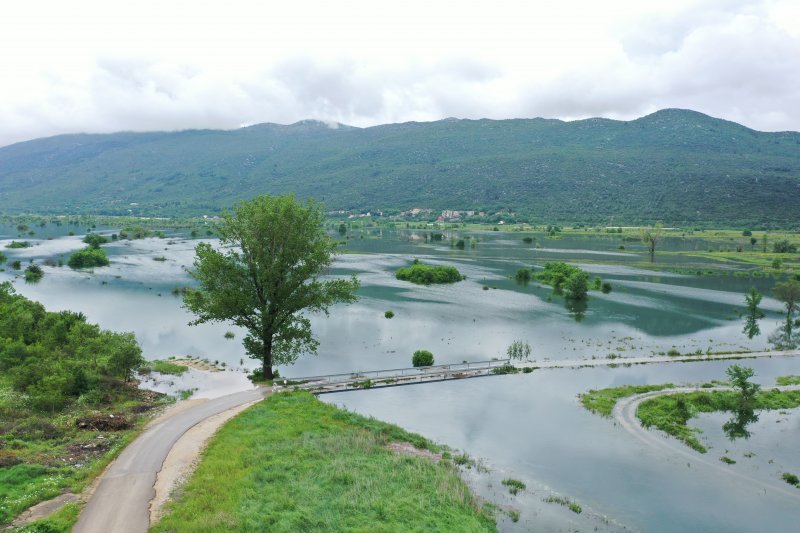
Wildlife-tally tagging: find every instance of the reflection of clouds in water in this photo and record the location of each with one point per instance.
(582, 251)
(42, 248)
(695, 293)
(620, 270)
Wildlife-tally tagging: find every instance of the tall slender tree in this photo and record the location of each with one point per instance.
(752, 299)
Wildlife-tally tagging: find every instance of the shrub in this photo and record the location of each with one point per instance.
(784, 247)
(88, 258)
(422, 358)
(523, 275)
(791, 479)
(18, 244)
(33, 273)
(16, 265)
(389, 314)
(606, 287)
(673, 352)
(229, 335)
(94, 240)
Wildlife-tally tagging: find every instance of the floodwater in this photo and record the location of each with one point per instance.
(529, 426)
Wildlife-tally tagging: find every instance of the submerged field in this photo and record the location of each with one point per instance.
(529, 427)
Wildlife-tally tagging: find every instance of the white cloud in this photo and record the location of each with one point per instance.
(106, 66)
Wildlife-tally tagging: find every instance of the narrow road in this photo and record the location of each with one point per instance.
(625, 415)
(122, 499)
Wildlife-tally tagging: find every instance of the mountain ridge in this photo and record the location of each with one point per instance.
(657, 167)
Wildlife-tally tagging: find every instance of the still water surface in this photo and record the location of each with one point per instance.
(529, 425)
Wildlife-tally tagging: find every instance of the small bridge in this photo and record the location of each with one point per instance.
(398, 376)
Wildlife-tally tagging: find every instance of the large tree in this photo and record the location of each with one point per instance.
(267, 276)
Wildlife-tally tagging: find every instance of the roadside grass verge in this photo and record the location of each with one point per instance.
(294, 463)
(43, 455)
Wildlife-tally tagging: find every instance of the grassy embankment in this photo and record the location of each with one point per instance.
(294, 463)
(671, 413)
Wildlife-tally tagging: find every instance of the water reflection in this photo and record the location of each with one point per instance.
(577, 308)
(736, 427)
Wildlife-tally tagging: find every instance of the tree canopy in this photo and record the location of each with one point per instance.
(57, 357)
(267, 276)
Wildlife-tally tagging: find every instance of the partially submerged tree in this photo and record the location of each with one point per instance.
(739, 377)
(650, 237)
(519, 350)
(788, 292)
(752, 299)
(267, 277)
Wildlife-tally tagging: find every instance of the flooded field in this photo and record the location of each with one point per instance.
(530, 426)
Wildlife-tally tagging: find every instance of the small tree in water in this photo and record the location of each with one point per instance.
(519, 350)
(650, 238)
(752, 299)
(739, 377)
(267, 276)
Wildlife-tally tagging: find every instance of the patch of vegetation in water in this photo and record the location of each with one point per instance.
(566, 502)
(602, 401)
(298, 464)
(670, 413)
(18, 244)
(33, 274)
(787, 380)
(513, 485)
(167, 367)
(423, 274)
(791, 479)
(88, 258)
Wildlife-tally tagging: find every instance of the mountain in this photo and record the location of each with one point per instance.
(677, 166)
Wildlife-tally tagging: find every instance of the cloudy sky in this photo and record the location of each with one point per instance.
(109, 65)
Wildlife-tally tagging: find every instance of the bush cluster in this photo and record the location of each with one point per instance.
(55, 358)
(423, 274)
(562, 276)
(88, 258)
(422, 358)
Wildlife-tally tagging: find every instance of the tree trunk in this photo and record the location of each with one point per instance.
(267, 358)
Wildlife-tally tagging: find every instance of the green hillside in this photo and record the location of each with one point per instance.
(678, 166)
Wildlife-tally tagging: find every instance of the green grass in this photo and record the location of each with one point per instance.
(788, 380)
(603, 401)
(293, 463)
(670, 413)
(40, 451)
(62, 521)
(165, 367)
(514, 485)
(566, 502)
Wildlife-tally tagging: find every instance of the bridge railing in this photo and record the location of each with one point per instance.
(411, 372)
